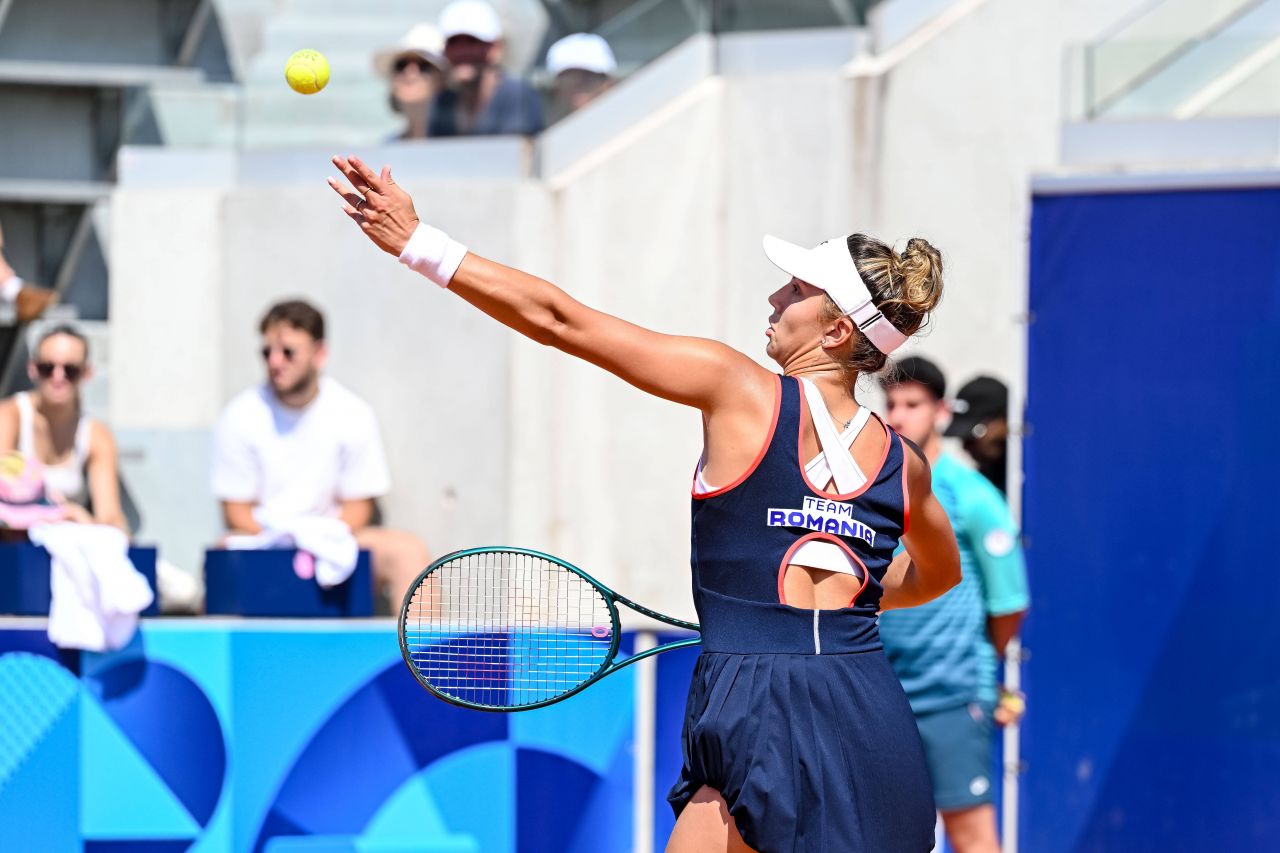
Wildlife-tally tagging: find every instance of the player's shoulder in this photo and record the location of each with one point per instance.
(916, 463)
(913, 449)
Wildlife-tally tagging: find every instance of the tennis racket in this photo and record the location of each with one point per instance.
(508, 629)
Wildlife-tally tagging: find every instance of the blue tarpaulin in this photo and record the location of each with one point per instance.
(1150, 515)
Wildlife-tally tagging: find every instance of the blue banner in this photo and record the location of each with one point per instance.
(276, 736)
(1151, 471)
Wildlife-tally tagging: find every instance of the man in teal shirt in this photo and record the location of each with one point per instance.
(945, 652)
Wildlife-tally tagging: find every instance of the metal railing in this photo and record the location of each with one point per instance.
(1112, 69)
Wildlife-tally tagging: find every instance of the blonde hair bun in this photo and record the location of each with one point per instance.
(920, 270)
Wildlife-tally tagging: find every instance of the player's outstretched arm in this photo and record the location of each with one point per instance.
(930, 565)
(693, 371)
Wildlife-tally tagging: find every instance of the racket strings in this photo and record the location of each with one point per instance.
(500, 629)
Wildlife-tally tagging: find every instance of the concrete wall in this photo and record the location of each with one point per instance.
(961, 126)
(494, 439)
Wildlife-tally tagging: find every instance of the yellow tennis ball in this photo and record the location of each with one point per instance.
(307, 72)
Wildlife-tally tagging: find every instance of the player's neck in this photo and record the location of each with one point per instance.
(830, 377)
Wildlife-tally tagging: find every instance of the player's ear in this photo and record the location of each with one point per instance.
(837, 333)
(322, 355)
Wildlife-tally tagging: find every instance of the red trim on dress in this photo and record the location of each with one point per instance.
(906, 490)
(795, 546)
(768, 440)
(871, 478)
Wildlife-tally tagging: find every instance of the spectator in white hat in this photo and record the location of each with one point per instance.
(481, 99)
(581, 66)
(416, 68)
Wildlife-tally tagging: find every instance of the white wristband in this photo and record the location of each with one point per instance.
(431, 253)
(10, 288)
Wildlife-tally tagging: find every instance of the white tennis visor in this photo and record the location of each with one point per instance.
(830, 267)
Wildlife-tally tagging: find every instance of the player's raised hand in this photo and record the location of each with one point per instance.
(383, 211)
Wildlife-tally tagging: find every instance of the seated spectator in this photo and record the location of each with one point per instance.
(47, 424)
(582, 67)
(416, 69)
(301, 445)
(29, 301)
(481, 99)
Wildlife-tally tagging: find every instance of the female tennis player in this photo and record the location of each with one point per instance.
(797, 735)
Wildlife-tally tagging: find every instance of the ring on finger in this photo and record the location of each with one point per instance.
(360, 205)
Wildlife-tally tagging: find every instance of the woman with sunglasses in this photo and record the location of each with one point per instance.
(77, 453)
(416, 69)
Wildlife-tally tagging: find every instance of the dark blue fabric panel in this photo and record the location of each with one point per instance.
(1151, 469)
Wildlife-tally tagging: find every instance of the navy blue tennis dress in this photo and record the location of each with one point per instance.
(794, 715)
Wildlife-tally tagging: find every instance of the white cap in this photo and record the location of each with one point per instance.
(423, 41)
(586, 51)
(474, 18)
(831, 267)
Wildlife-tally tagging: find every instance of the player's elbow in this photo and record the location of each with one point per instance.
(546, 331)
(949, 569)
(551, 327)
(953, 574)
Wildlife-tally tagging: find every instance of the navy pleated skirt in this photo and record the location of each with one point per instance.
(812, 753)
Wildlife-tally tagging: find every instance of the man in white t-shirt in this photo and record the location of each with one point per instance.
(302, 445)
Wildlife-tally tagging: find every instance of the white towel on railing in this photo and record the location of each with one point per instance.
(96, 593)
(327, 539)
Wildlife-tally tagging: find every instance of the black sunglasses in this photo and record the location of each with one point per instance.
(73, 372)
(405, 61)
(287, 352)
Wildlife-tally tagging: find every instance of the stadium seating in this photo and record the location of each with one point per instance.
(77, 77)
